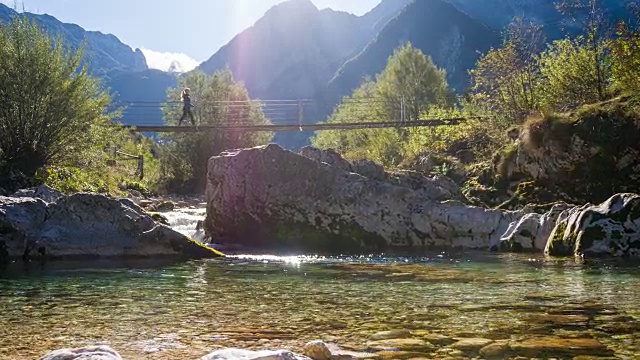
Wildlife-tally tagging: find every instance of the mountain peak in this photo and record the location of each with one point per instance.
(293, 7)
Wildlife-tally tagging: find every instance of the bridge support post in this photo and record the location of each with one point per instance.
(141, 166)
(300, 114)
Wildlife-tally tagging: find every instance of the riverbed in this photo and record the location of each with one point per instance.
(431, 301)
(183, 311)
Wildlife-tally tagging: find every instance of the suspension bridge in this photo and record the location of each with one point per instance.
(279, 116)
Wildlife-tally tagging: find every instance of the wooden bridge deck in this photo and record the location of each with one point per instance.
(297, 127)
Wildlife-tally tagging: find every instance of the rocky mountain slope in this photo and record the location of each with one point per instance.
(124, 71)
(295, 48)
(103, 52)
(451, 38)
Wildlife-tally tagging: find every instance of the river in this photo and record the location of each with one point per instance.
(149, 310)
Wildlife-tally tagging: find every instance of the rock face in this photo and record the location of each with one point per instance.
(41, 192)
(87, 353)
(597, 144)
(270, 198)
(609, 229)
(531, 232)
(84, 225)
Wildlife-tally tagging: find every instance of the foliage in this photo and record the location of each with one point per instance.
(505, 79)
(51, 110)
(219, 100)
(99, 170)
(570, 77)
(410, 78)
(625, 60)
(591, 16)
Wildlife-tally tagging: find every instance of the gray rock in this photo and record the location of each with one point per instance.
(369, 169)
(42, 192)
(471, 344)
(436, 188)
(391, 334)
(317, 350)
(86, 353)
(609, 229)
(271, 198)
(84, 225)
(240, 354)
(165, 206)
(328, 157)
(531, 232)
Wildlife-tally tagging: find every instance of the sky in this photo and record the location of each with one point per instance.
(167, 30)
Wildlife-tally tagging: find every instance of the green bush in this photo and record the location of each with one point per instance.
(50, 106)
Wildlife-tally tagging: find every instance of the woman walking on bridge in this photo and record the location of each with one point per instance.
(186, 109)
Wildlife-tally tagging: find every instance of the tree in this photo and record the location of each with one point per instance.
(412, 77)
(218, 100)
(591, 17)
(506, 79)
(569, 76)
(625, 60)
(409, 76)
(51, 110)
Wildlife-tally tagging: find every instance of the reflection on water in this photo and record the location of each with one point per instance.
(183, 311)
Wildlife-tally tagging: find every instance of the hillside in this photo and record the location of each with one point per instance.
(450, 37)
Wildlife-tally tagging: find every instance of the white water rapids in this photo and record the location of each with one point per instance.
(185, 221)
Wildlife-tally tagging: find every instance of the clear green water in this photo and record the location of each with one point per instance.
(183, 311)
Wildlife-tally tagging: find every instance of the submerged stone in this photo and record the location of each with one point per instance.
(240, 354)
(391, 334)
(400, 344)
(550, 346)
(472, 344)
(87, 353)
(496, 350)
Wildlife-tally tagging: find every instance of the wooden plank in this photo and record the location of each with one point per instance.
(298, 128)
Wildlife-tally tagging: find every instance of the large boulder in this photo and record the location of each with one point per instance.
(270, 198)
(609, 229)
(84, 225)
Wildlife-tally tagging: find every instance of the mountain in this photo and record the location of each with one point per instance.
(453, 39)
(290, 50)
(103, 52)
(123, 70)
(139, 93)
(499, 13)
(379, 16)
